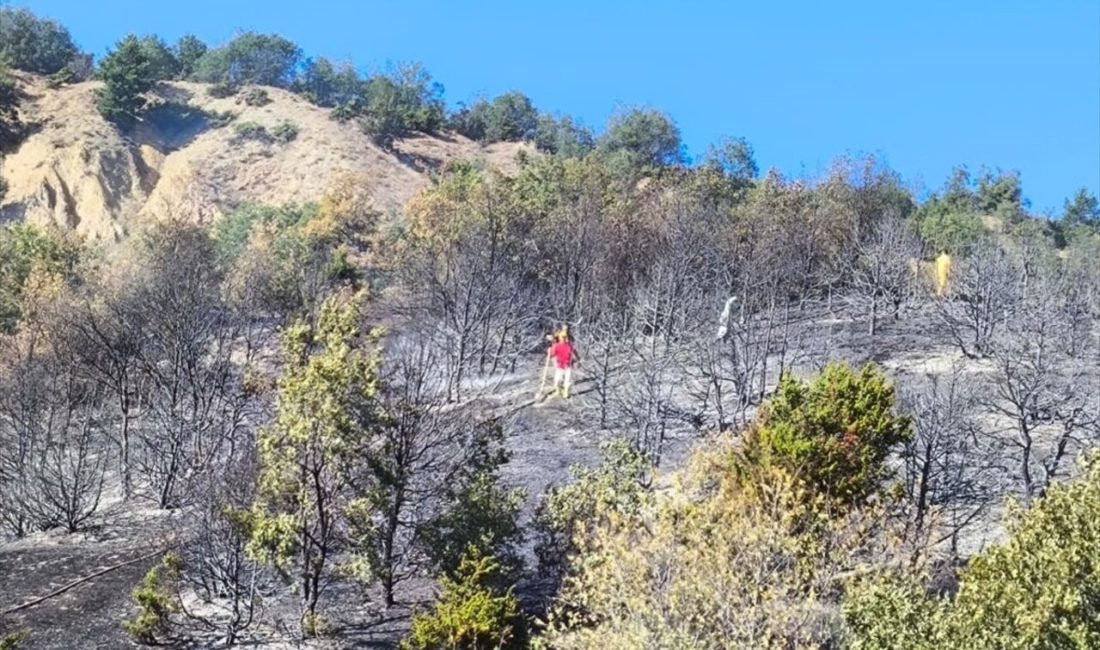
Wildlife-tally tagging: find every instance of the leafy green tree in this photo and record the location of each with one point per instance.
(563, 137)
(163, 64)
(327, 85)
(24, 248)
(471, 120)
(400, 102)
(1083, 210)
(1001, 195)
(1039, 589)
(643, 139)
(835, 432)
(325, 418)
(128, 73)
(471, 613)
(188, 50)
(34, 44)
(251, 58)
(511, 117)
(941, 228)
(733, 157)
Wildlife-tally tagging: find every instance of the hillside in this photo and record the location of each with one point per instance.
(77, 170)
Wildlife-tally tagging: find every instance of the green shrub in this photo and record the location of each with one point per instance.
(285, 132)
(617, 486)
(957, 232)
(254, 97)
(221, 90)
(157, 598)
(23, 249)
(62, 77)
(14, 640)
(1040, 589)
(834, 433)
(470, 614)
(252, 131)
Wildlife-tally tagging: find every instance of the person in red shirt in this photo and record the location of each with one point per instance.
(563, 354)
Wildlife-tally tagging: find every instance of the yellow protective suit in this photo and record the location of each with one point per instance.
(943, 273)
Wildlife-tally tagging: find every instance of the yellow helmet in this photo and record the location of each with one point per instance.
(563, 333)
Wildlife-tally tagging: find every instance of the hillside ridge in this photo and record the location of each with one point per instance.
(78, 171)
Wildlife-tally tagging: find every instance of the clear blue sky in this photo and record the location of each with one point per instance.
(1011, 84)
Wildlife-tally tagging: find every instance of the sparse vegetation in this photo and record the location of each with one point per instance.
(157, 600)
(284, 132)
(781, 434)
(254, 96)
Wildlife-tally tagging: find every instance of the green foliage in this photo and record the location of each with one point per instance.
(250, 58)
(403, 101)
(563, 137)
(189, 49)
(254, 96)
(325, 415)
(834, 433)
(284, 132)
(127, 73)
(1038, 590)
(940, 229)
(14, 640)
(25, 249)
(1083, 210)
(157, 598)
(251, 131)
(616, 486)
(733, 158)
(1001, 195)
(163, 64)
(327, 85)
(510, 118)
(232, 231)
(221, 90)
(642, 140)
(470, 613)
(34, 44)
(479, 515)
(10, 128)
(470, 120)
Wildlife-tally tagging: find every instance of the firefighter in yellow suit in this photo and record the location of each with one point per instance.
(943, 272)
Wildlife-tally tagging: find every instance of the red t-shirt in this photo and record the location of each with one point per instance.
(562, 351)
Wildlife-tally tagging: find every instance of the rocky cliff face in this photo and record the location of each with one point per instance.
(189, 159)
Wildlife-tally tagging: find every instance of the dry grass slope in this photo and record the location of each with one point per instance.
(78, 171)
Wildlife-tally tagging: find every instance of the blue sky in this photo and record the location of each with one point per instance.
(925, 85)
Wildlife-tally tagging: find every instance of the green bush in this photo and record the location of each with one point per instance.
(252, 131)
(834, 433)
(642, 140)
(23, 249)
(34, 44)
(157, 598)
(14, 640)
(221, 90)
(285, 132)
(1040, 589)
(957, 232)
(254, 96)
(616, 486)
(400, 102)
(470, 613)
(251, 58)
